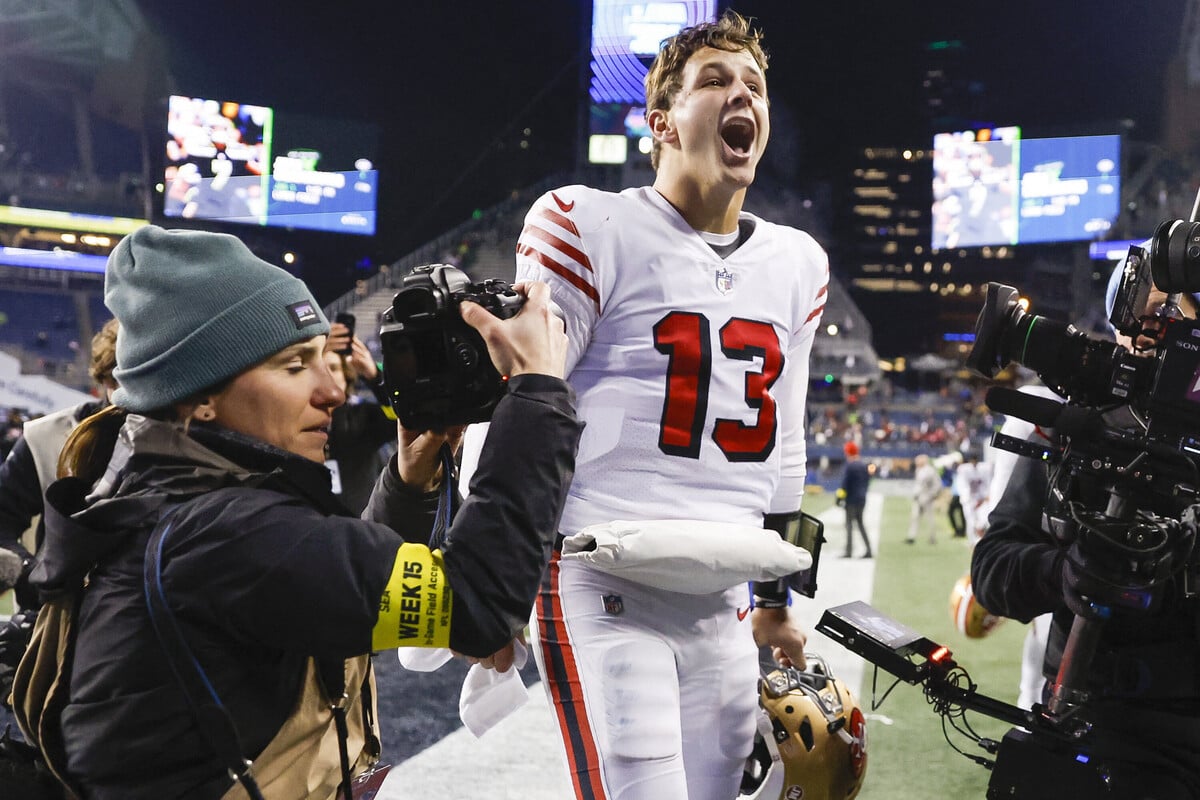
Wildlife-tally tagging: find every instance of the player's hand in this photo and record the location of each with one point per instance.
(774, 627)
(418, 457)
(533, 341)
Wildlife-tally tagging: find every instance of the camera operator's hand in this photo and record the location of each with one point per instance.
(1090, 595)
(418, 458)
(533, 341)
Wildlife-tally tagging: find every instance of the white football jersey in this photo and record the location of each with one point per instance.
(691, 370)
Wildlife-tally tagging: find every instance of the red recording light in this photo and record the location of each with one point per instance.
(939, 655)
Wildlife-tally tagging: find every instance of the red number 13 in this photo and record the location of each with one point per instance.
(684, 337)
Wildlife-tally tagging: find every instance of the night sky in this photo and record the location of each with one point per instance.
(454, 85)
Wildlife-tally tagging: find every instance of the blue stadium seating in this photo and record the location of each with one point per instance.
(44, 324)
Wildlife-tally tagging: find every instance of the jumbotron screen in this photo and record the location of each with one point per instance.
(991, 187)
(625, 38)
(248, 164)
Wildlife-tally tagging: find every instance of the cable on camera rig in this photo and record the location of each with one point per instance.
(914, 659)
(1041, 757)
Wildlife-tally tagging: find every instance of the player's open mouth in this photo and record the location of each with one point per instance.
(738, 134)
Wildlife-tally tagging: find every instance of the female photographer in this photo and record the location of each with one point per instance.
(225, 610)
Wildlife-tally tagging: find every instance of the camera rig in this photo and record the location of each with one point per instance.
(1139, 530)
(1125, 494)
(1038, 759)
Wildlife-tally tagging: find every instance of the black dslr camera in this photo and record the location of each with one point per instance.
(436, 368)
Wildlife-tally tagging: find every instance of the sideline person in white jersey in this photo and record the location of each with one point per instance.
(690, 324)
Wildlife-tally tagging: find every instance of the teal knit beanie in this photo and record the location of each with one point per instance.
(196, 308)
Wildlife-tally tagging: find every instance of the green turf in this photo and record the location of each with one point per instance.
(909, 758)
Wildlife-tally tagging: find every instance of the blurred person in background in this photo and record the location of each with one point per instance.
(853, 495)
(31, 464)
(362, 431)
(972, 480)
(926, 488)
(1033, 650)
(30, 467)
(947, 467)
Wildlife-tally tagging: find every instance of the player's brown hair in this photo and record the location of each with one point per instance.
(732, 33)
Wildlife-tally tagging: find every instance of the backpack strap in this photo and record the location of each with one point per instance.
(213, 719)
(331, 674)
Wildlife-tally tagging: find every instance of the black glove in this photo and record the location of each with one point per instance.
(1091, 588)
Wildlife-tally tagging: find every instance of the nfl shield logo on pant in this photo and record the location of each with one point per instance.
(613, 604)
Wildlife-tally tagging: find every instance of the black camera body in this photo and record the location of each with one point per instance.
(436, 367)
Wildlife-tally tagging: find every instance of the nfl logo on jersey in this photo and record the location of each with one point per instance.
(613, 604)
(724, 281)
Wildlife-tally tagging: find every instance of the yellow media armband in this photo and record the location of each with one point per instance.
(414, 610)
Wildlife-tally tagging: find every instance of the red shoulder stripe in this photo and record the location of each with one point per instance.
(558, 219)
(558, 269)
(565, 248)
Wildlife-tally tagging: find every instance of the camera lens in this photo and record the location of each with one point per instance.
(986, 356)
(1066, 358)
(1175, 256)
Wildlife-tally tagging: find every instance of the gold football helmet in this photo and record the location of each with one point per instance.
(812, 741)
(969, 616)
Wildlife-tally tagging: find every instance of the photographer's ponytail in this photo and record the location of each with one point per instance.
(90, 445)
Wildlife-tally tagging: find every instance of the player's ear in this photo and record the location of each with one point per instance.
(661, 128)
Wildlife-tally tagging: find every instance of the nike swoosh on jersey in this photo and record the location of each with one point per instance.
(742, 612)
(565, 207)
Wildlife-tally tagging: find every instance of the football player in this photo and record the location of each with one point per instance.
(690, 325)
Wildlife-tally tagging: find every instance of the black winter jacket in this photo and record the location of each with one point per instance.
(262, 572)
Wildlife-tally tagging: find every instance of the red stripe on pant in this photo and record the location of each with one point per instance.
(562, 676)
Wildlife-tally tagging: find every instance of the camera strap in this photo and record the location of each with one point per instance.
(214, 721)
(441, 522)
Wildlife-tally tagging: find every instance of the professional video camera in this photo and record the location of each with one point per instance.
(436, 368)
(1140, 530)
(1093, 372)
(1125, 495)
